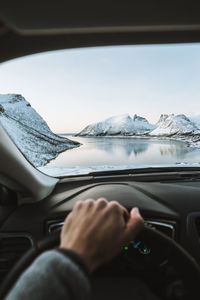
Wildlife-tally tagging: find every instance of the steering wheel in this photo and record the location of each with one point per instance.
(162, 248)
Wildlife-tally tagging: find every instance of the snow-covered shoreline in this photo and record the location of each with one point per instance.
(57, 171)
(188, 140)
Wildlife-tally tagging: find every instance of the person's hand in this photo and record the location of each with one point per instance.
(97, 230)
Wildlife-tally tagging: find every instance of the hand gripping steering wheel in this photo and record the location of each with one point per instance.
(160, 244)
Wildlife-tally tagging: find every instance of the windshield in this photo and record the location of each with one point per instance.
(76, 111)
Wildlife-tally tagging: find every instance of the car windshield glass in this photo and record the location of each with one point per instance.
(105, 108)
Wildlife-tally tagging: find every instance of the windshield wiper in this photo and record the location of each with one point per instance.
(149, 170)
(163, 174)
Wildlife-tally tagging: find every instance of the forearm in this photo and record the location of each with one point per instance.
(52, 274)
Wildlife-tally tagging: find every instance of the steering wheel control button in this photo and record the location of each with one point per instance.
(142, 248)
(138, 246)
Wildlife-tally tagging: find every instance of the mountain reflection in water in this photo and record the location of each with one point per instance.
(179, 149)
(96, 151)
(111, 145)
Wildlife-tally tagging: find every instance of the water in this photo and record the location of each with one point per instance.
(99, 151)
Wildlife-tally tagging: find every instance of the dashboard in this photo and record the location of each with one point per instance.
(168, 205)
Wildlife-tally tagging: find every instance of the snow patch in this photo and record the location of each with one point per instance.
(196, 120)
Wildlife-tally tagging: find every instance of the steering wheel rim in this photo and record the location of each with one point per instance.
(179, 257)
(181, 260)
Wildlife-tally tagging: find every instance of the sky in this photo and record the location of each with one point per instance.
(71, 89)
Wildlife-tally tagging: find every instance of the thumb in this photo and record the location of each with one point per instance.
(134, 225)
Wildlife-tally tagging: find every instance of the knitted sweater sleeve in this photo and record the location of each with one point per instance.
(56, 274)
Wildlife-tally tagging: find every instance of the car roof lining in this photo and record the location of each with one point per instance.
(32, 27)
(14, 45)
(25, 16)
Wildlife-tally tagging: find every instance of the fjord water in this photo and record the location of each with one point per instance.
(99, 151)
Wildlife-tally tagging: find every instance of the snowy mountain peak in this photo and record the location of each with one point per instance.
(182, 117)
(175, 125)
(119, 118)
(118, 125)
(162, 118)
(138, 118)
(12, 98)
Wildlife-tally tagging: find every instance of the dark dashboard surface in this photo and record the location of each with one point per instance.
(168, 202)
(174, 203)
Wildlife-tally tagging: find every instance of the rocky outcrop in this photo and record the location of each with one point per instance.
(30, 132)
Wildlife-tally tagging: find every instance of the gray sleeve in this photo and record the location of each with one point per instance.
(51, 276)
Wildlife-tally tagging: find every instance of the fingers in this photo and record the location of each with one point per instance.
(116, 206)
(89, 203)
(134, 225)
(101, 203)
(83, 205)
(78, 205)
(124, 214)
(132, 222)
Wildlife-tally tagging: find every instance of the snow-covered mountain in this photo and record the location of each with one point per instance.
(118, 125)
(169, 125)
(29, 131)
(178, 126)
(196, 120)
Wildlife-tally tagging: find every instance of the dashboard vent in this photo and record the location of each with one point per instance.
(12, 247)
(197, 223)
(164, 227)
(54, 225)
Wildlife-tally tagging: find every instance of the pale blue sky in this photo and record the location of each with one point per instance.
(73, 88)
